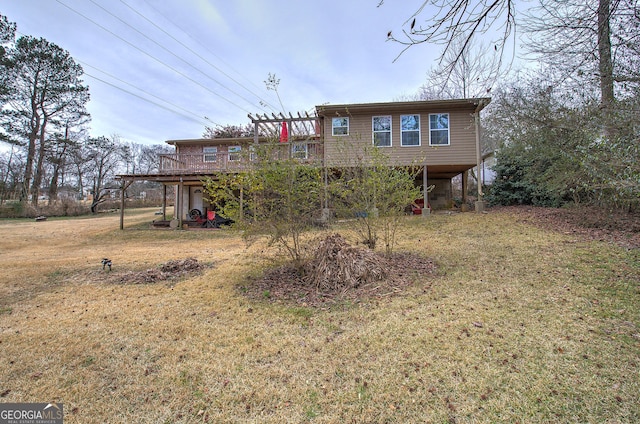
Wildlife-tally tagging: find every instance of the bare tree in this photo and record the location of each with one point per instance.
(592, 42)
(472, 75)
(150, 157)
(59, 150)
(105, 155)
(596, 40)
(11, 164)
(456, 24)
(229, 131)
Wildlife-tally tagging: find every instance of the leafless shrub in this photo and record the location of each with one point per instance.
(337, 266)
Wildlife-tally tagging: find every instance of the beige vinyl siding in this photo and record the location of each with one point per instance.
(461, 148)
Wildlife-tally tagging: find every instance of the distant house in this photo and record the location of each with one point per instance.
(441, 137)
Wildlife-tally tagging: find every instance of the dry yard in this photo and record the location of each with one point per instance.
(520, 323)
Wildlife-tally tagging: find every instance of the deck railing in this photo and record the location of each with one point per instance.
(203, 163)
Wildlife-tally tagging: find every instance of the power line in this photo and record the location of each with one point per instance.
(149, 101)
(193, 116)
(265, 102)
(153, 57)
(171, 52)
(189, 114)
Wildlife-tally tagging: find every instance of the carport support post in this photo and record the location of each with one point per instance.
(124, 185)
(241, 201)
(180, 201)
(425, 190)
(164, 202)
(465, 186)
(480, 204)
(325, 213)
(122, 205)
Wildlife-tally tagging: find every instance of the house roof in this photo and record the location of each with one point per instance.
(230, 140)
(476, 103)
(355, 108)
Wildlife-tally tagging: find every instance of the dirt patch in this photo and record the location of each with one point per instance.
(589, 223)
(170, 271)
(325, 284)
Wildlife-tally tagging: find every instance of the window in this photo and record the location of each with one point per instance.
(234, 153)
(439, 129)
(300, 151)
(382, 131)
(410, 130)
(339, 126)
(210, 154)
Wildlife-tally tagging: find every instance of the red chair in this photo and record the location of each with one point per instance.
(211, 220)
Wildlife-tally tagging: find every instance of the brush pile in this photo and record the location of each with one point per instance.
(181, 266)
(336, 266)
(170, 270)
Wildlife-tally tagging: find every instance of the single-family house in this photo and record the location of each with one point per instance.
(441, 137)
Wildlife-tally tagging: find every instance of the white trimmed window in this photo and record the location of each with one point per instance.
(300, 151)
(339, 126)
(210, 154)
(234, 153)
(410, 130)
(381, 126)
(439, 129)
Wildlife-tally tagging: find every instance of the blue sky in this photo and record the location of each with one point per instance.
(196, 58)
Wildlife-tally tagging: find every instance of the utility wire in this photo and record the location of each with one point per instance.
(153, 57)
(189, 114)
(193, 116)
(190, 117)
(264, 102)
(172, 53)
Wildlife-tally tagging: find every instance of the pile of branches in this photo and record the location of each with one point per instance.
(336, 266)
(181, 266)
(167, 271)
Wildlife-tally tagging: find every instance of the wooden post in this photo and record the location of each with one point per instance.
(180, 202)
(241, 202)
(480, 202)
(326, 187)
(465, 186)
(122, 189)
(425, 190)
(164, 202)
(478, 157)
(256, 135)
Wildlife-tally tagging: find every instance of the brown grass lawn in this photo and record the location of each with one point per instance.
(520, 324)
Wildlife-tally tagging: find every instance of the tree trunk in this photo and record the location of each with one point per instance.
(57, 164)
(6, 177)
(53, 185)
(28, 169)
(605, 65)
(37, 179)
